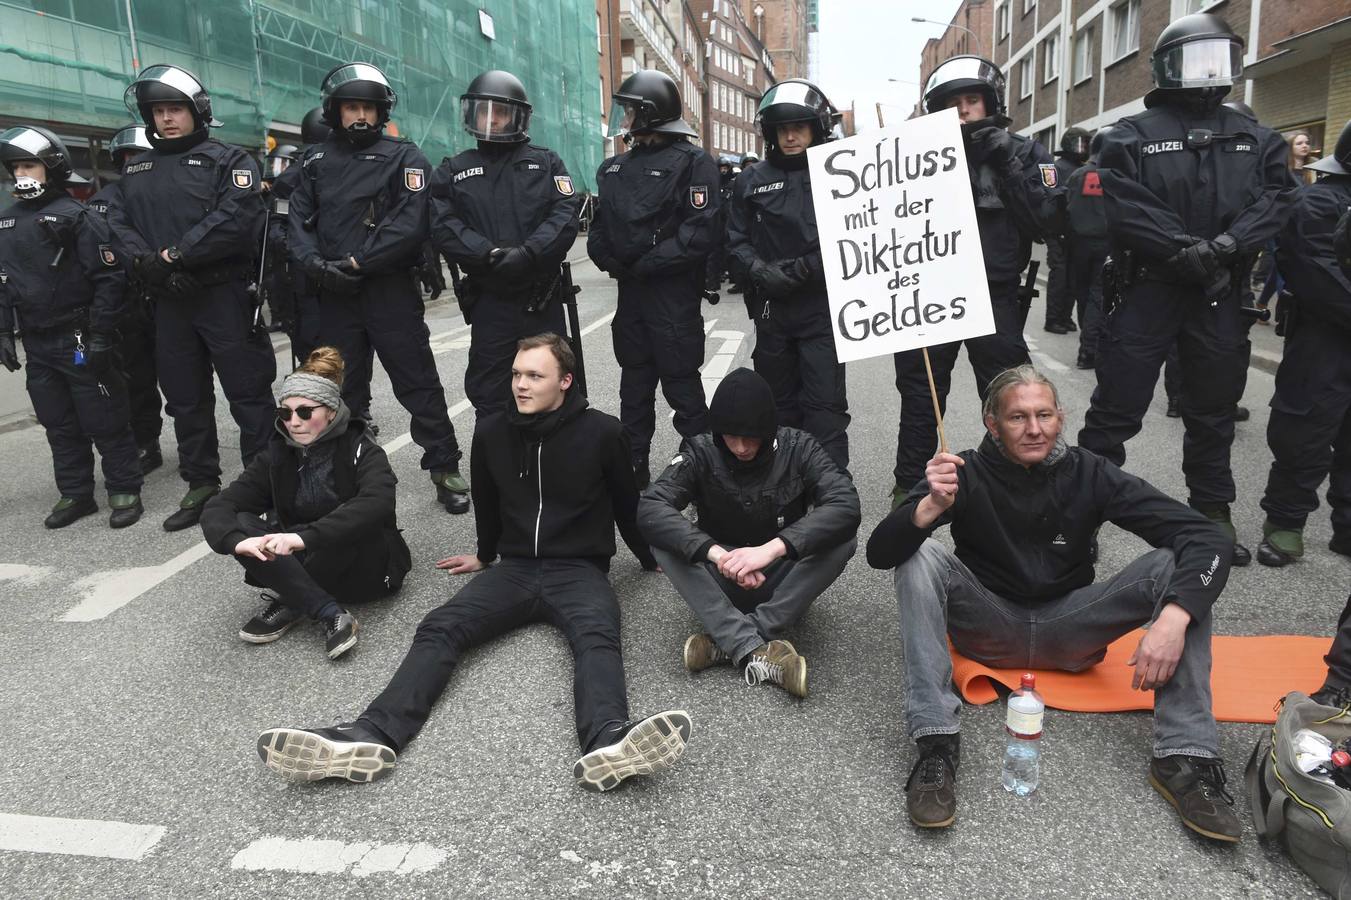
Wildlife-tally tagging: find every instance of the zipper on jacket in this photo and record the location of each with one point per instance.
(539, 483)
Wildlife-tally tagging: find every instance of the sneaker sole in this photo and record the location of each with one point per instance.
(691, 666)
(1172, 801)
(345, 645)
(652, 746)
(943, 824)
(305, 756)
(266, 638)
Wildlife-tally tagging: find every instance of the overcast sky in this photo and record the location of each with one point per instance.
(862, 43)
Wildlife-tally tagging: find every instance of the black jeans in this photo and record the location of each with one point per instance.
(572, 595)
(1339, 655)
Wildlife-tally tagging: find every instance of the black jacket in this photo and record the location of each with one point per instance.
(1026, 533)
(557, 494)
(1307, 259)
(1016, 205)
(793, 492)
(772, 218)
(1085, 205)
(365, 486)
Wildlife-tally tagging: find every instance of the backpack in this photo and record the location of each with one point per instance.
(1311, 818)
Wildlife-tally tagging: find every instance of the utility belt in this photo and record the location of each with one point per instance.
(77, 318)
(222, 271)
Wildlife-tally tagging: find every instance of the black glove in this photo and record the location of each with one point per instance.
(98, 353)
(770, 280)
(430, 276)
(1196, 263)
(336, 278)
(9, 356)
(510, 262)
(796, 270)
(181, 286)
(993, 145)
(153, 271)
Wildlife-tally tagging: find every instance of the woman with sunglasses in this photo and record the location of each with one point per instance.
(332, 537)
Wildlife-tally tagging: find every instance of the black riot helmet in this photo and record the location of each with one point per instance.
(1339, 163)
(313, 129)
(794, 100)
(279, 160)
(129, 141)
(169, 84)
(1074, 144)
(356, 81)
(494, 108)
(1099, 138)
(1197, 51)
(966, 74)
(648, 100)
(1242, 108)
(30, 143)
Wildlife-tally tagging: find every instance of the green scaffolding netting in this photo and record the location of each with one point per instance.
(69, 61)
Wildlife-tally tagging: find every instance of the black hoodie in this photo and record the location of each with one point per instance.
(554, 485)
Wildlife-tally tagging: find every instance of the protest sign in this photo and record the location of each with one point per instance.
(899, 241)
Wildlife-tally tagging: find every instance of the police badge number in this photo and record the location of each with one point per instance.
(107, 255)
(1048, 174)
(243, 178)
(699, 197)
(564, 185)
(414, 179)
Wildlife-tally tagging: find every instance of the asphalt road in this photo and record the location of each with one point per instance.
(130, 700)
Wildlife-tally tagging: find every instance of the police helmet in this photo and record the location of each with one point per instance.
(1339, 163)
(1197, 51)
(129, 141)
(1242, 108)
(356, 81)
(279, 160)
(647, 100)
(30, 143)
(966, 74)
(169, 84)
(313, 130)
(495, 108)
(1075, 143)
(1099, 138)
(794, 100)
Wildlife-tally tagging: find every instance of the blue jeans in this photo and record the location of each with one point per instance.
(939, 598)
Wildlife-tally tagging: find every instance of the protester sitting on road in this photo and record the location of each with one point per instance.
(1019, 592)
(776, 526)
(551, 479)
(334, 539)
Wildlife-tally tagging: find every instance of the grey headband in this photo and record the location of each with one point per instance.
(312, 387)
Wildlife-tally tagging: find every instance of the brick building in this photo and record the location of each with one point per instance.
(656, 34)
(976, 18)
(783, 27)
(739, 71)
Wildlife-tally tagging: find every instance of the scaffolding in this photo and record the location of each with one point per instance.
(66, 63)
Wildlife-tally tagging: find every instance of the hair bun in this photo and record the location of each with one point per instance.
(325, 362)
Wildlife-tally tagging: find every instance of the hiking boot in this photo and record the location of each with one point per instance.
(1331, 695)
(275, 620)
(352, 751)
(701, 652)
(1280, 546)
(646, 747)
(1220, 516)
(340, 634)
(1194, 785)
(126, 510)
(452, 491)
(931, 789)
(778, 662)
(70, 509)
(189, 511)
(1340, 543)
(149, 457)
(1174, 410)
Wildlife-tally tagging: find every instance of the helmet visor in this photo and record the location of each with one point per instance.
(494, 120)
(131, 139)
(793, 93)
(623, 117)
(171, 77)
(968, 70)
(1209, 63)
(28, 142)
(378, 87)
(275, 166)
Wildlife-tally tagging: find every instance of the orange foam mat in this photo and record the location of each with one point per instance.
(1247, 676)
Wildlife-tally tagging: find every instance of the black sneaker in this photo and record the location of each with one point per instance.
(931, 789)
(1194, 785)
(644, 748)
(275, 620)
(340, 634)
(70, 509)
(1331, 695)
(350, 751)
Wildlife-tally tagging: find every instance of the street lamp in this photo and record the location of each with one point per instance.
(979, 47)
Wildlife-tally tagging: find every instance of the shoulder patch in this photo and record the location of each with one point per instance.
(414, 179)
(610, 170)
(699, 196)
(1049, 176)
(564, 185)
(467, 173)
(107, 255)
(766, 188)
(134, 168)
(1161, 147)
(1092, 185)
(242, 178)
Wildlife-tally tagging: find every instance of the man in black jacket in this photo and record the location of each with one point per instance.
(551, 480)
(1019, 592)
(776, 527)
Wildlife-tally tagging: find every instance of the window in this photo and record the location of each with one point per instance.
(1025, 77)
(1123, 29)
(1028, 6)
(1187, 7)
(1001, 21)
(1051, 64)
(1083, 55)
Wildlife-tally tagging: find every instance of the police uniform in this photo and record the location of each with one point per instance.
(1086, 227)
(1060, 305)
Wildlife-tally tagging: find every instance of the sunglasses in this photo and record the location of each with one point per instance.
(284, 412)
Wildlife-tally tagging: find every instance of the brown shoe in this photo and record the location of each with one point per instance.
(931, 789)
(701, 652)
(1194, 785)
(778, 662)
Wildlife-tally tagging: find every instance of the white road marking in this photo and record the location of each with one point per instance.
(596, 324)
(1031, 344)
(1047, 362)
(716, 368)
(26, 574)
(310, 856)
(77, 837)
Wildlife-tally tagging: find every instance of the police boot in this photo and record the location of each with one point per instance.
(1280, 546)
(149, 456)
(68, 510)
(452, 491)
(1219, 514)
(642, 475)
(1242, 413)
(189, 511)
(1340, 543)
(127, 510)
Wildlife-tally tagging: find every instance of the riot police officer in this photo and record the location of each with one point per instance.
(1016, 191)
(656, 221)
(1073, 153)
(136, 351)
(1194, 189)
(363, 214)
(717, 258)
(62, 281)
(1310, 426)
(277, 283)
(505, 212)
(775, 250)
(1086, 239)
(189, 213)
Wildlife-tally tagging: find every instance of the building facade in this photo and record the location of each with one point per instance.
(739, 72)
(784, 28)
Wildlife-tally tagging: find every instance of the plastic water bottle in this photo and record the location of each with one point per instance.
(1022, 724)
